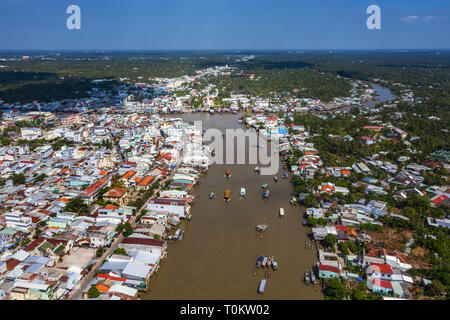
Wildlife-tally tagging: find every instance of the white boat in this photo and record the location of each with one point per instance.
(257, 169)
(242, 192)
(281, 212)
(262, 286)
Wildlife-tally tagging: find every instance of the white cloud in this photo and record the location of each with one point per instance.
(412, 19)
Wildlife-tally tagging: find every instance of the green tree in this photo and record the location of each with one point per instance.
(329, 240)
(100, 252)
(93, 292)
(18, 178)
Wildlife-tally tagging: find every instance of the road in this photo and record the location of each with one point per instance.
(82, 285)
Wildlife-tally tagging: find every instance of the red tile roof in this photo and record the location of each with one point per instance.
(144, 182)
(383, 268)
(382, 283)
(144, 241)
(93, 187)
(115, 192)
(325, 267)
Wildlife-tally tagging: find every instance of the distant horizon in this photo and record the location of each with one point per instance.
(403, 50)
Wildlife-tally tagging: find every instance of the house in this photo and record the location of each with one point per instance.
(327, 271)
(179, 207)
(91, 192)
(367, 140)
(117, 195)
(144, 244)
(379, 271)
(314, 212)
(379, 286)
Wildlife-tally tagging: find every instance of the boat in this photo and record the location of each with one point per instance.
(274, 265)
(262, 286)
(307, 281)
(189, 216)
(259, 261)
(269, 263)
(212, 195)
(264, 185)
(313, 277)
(176, 234)
(180, 236)
(257, 169)
(266, 194)
(228, 173)
(285, 175)
(281, 212)
(275, 179)
(262, 227)
(227, 195)
(264, 262)
(242, 192)
(293, 200)
(211, 111)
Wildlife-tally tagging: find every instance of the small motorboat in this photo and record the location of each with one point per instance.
(257, 169)
(262, 227)
(189, 217)
(275, 179)
(293, 200)
(259, 261)
(212, 195)
(180, 236)
(274, 265)
(228, 173)
(307, 280)
(266, 194)
(281, 213)
(242, 193)
(313, 277)
(227, 195)
(285, 175)
(269, 263)
(262, 286)
(265, 185)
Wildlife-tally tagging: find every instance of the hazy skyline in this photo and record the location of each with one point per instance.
(223, 24)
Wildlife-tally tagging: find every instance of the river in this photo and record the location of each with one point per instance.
(383, 94)
(217, 256)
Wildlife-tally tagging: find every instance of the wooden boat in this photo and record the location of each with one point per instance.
(281, 212)
(262, 227)
(228, 173)
(293, 200)
(212, 195)
(313, 277)
(189, 216)
(269, 263)
(259, 261)
(274, 265)
(227, 195)
(242, 192)
(307, 280)
(285, 175)
(262, 286)
(264, 262)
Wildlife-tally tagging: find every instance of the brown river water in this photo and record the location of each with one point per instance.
(216, 258)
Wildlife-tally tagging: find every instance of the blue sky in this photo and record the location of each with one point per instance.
(224, 24)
